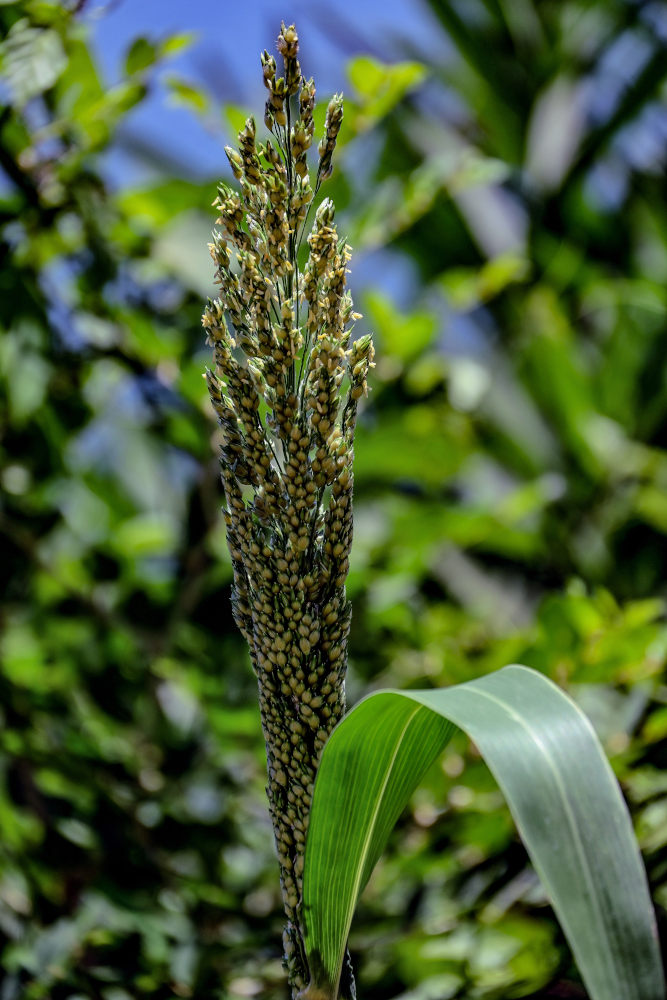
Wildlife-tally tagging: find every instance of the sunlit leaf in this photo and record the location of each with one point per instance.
(178, 43)
(380, 86)
(562, 793)
(401, 336)
(141, 54)
(186, 94)
(33, 59)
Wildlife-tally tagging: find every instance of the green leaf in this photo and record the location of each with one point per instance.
(141, 54)
(33, 59)
(379, 86)
(187, 95)
(79, 88)
(560, 789)
(561, 378)
(372, 78)
(235, 117)
(403, 337)
(158, 204)
(145, 534)
(468, 288)
(177, 43)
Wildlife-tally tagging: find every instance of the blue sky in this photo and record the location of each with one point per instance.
(225, 59)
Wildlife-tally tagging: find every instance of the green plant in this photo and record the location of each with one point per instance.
(280, 337)
(562, 793)
(516, 518)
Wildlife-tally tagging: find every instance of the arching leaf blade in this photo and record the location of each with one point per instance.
(379, 757)
(560, 789)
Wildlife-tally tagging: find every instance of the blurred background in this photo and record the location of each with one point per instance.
(501, 176)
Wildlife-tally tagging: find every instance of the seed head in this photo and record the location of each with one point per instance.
(288, 46)
(332, 125)
(285, 385)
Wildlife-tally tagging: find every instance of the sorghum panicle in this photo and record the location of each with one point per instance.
(281, 343)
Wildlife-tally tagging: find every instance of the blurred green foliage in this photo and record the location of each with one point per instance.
(511, 499)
